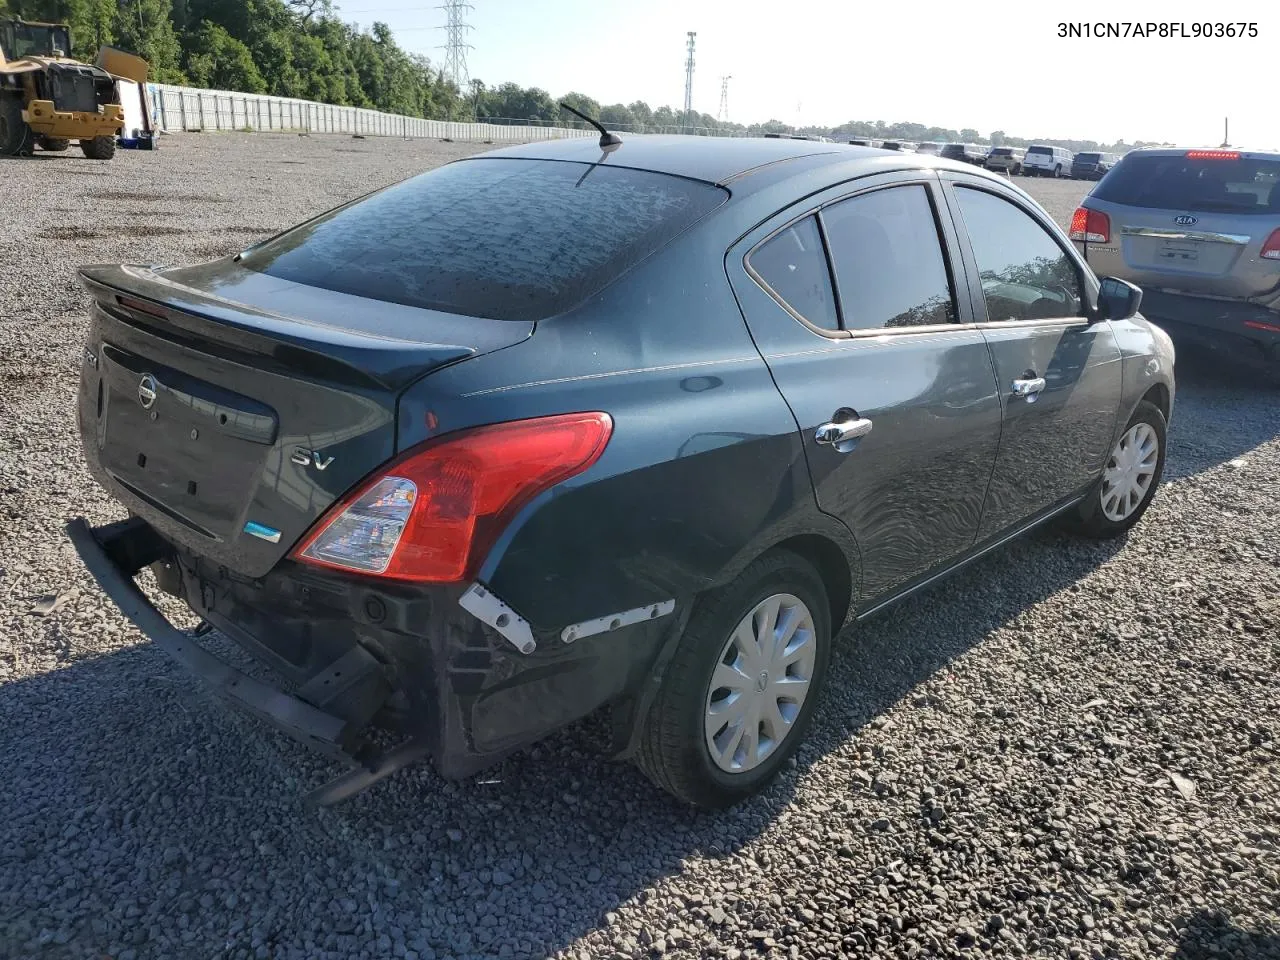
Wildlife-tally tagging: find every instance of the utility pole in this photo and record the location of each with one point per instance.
(723, 112)
(688, 83)
(456, 46)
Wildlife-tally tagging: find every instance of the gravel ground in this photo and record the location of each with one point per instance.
(1070, 750)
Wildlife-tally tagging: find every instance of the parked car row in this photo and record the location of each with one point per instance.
(1033, 161)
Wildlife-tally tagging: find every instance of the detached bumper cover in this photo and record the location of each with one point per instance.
(114, 553)
(458, 689)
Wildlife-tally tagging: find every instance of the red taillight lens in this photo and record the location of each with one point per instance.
(1271, 246)
(1091, 226)
(1213, 154)
(431, 515)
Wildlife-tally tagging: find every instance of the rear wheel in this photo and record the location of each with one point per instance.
(1057, 173)
(739, 693)
(54, 144)
(15, 136)
(99, 148)
(1129, 481)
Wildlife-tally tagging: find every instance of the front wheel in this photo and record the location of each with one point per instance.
(1129, 481)
(740, 691)
(15, 136)
(99, 148)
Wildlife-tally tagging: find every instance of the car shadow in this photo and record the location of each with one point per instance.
(1207, 935)
(163, 814)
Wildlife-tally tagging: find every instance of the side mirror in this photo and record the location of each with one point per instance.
(1118, 299)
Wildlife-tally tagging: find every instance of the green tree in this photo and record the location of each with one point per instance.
(216, 59)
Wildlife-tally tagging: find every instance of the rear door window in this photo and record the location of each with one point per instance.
(506, 239)
(1025, 274)
(1181, 182)
(888, 261)
(792, 266)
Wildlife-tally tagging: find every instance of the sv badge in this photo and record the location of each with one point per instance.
(307, 458)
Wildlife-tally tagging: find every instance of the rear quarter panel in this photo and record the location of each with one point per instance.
(704, 469)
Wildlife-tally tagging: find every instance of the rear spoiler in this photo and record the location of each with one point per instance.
(143, 298)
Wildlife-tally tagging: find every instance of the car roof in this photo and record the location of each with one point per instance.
(712, 159)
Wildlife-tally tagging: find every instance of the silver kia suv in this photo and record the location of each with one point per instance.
(1199, 232)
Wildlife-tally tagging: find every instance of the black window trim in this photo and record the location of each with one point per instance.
(1088, 285)
(839, 334)
(924, 178)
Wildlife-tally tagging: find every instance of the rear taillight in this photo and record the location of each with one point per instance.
(1271, 246)
(1090, 226)
(431, 515)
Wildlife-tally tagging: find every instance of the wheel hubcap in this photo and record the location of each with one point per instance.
(760, 683)
(1130, 471)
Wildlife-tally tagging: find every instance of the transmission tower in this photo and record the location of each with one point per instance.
(688, 82)
(723, 112)
(456, 46)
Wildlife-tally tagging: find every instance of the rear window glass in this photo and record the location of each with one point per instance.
(1088, 157)
(504, 239)
(1001, 152)
(1046, 151)
(1181, 183)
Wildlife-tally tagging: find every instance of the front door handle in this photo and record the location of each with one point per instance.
(838, 434)
(1028, 387)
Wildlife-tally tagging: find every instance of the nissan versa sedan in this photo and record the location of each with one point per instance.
(559, 428)
(1200, 231)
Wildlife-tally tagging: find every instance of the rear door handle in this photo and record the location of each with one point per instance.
(1029, 387)
(837, 434)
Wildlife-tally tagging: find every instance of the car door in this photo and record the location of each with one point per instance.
(852, 301)
(1059, 373)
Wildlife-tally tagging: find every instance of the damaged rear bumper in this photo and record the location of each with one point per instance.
(436, 665)
(113, 554)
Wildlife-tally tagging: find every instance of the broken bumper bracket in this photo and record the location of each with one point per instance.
(115, 552)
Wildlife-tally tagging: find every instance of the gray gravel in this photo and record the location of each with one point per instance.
(1069, 751)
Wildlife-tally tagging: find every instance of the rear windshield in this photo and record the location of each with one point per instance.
(1181, 183)
(500, 238)
(1002, 152)
(953, 150)
(1088, 157)
(1041, 150)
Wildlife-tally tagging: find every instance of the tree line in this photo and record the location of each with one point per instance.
(303, 49)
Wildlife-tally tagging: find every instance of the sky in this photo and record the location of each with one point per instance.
(985, 64)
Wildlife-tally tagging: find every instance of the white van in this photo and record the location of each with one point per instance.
(1047, 161)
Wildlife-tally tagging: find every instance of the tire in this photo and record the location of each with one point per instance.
(99, 148)
(1092, 518)
(16, 139)
(675, 752)
(1057, 173)
(54, 144)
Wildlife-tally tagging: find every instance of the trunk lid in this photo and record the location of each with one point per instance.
(231, 408)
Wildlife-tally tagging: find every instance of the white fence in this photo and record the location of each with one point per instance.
(175, 109)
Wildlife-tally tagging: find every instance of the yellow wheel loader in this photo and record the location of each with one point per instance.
(47, 99)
